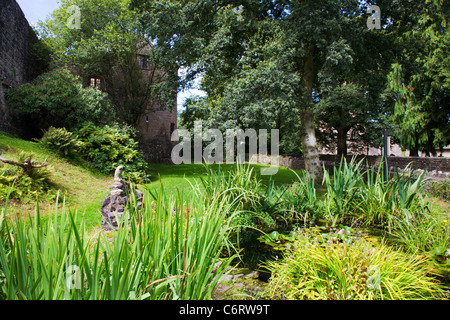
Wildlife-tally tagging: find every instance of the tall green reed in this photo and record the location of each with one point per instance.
(302, 199)
(341, 189)
(381, 203)
(169, 250)
(353, 270)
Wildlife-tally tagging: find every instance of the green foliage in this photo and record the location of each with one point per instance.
(424, 233)
(440, 189)
(380, 202)
(301, 201)
(167, 251)
(57, 98)
(61, 141)
(342, 189)
(25, 187)
(419, 80)
(349, 269)
(107, 147)
(346, 109)
(105, 47)
(244, 191)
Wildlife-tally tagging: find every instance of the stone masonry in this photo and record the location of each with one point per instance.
(15, 37)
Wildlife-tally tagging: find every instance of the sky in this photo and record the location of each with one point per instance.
(36, 10)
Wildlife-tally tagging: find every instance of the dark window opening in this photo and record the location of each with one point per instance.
(95, 83)
(145, 62)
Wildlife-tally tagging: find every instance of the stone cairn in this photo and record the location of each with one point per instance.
(115, 203)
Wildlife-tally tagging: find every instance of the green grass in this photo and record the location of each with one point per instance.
(83, 188)
(351, 270)
(180, 177)
(169, 250)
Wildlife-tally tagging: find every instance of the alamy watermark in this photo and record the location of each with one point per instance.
(73, 278)
(233, 147)
(374, 280)
(74, 21)
(374, 21)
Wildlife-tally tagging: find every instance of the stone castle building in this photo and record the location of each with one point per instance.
(15, 60)
(17, 67)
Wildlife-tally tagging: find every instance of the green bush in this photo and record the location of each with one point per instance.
(107, 147)
(57, 98)
(300, 200)
(380, 203)
(25, 187)
(61, 141)
(352, 269)
(244, 190)
(342, 189)
(424, 233)
(440, 189)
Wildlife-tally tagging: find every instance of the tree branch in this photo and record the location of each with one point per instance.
(27, 166)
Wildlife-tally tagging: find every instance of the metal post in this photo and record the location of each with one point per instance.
(385, 156)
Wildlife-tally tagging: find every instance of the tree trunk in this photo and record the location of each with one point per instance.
(414, 152)
(342, 143)
(308, 134)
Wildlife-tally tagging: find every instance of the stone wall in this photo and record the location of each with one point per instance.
(15, 37)
(155, 135)
(437, 167)
(157, 150)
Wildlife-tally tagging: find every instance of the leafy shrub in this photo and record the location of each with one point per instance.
(107, 147)
(301, 199)
(60, 141)
(24, 187)
(57, 98)
(423, 232)
(352, 269)
(440, 189)
(244, 190)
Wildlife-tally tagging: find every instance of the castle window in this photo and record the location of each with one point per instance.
(144, 62)
(172, 128)
(95, 83)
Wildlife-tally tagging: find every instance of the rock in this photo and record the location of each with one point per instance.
(226, 277)
(253, 275)
(216, 266)
(117, 193)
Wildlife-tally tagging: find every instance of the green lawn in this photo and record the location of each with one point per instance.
(85, 189)
(183, 177)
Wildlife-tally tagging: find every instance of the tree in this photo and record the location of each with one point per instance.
(419, 80)
(57, 98)
(312, 47)
(259, 95)
(106, 47)
(344, 109)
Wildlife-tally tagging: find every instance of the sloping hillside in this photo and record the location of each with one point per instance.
(83, 189)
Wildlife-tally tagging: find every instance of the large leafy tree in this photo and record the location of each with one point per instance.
(261, 60)
(105, 46)
(57, 98)
(419, 81)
